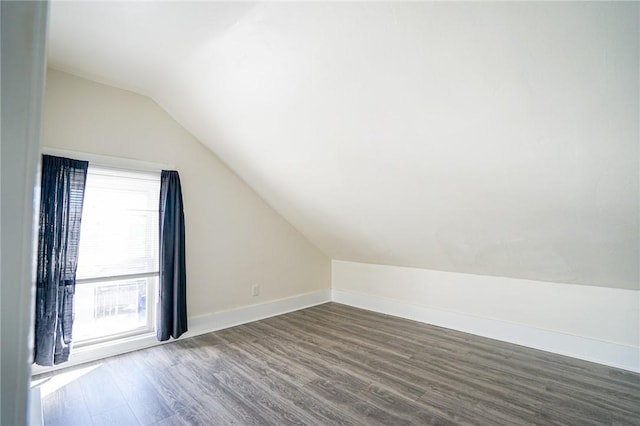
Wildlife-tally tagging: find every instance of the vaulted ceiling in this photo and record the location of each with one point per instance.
(487, 138)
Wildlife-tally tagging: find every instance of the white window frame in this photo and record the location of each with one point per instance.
(150, 310)
(125, 165)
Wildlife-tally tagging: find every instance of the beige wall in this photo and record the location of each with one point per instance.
(234, 239)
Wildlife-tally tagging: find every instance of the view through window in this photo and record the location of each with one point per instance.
(117, 272)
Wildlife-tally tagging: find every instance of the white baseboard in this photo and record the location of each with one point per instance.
(197, 325)
(607, 353)
(225, 319)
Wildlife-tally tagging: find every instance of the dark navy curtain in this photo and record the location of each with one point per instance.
(62, 195)
(172, 301)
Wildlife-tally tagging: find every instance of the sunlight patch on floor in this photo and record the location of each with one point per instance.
(48, 385)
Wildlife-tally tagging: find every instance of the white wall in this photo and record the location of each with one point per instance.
(234, 239)
(24, 29)
(596, 323)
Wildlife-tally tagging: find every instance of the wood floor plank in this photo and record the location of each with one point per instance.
(174, 420)
(343, 396)
(100, 391)
(66, 406)
(117, 416)
(233, 402)
(332, 364)
(146, 403)
(291, 388)
(180, 392)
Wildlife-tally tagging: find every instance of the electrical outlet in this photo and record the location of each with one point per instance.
(255, 289)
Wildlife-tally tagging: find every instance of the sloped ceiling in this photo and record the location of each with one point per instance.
(487, 138)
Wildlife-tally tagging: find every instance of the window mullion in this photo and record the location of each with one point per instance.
(116, 278)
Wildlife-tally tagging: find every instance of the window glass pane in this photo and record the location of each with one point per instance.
(119, 234)
(114, 307)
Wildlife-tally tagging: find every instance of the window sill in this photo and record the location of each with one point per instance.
(101, 350)
(113, 338)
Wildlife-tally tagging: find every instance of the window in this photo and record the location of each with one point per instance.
(117, 273)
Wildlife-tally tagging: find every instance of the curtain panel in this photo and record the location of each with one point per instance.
(172, 300)
(62, 194)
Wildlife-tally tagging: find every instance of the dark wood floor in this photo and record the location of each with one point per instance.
(333, 364)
